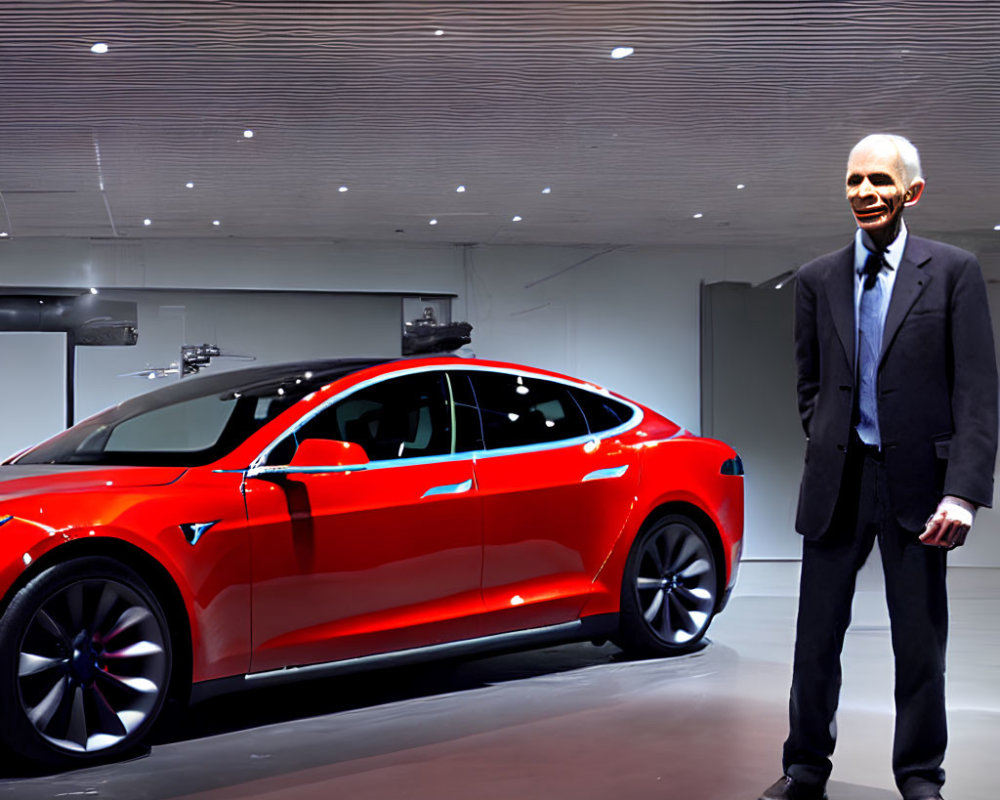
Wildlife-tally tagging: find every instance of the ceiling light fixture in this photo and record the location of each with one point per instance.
(216, 222)
(741, 186)
(99, 47)
(460, 188)
(147, 222)
(439, 32)
(342, 189)
(93, 290)
(433, 222)
(248, 134)
(699, 215)
(189, 185)
(995, 227)
(516, 218)
(4, 234)
(547, 190)
(622, 52)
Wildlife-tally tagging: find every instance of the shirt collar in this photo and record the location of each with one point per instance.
(863, 245)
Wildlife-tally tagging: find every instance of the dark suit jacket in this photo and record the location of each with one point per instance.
(937, 383)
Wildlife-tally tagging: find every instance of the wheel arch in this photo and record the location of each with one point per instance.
(156, 576)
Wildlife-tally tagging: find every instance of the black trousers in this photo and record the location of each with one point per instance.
(918, 612)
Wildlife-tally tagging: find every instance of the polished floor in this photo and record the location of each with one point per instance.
(572, 721)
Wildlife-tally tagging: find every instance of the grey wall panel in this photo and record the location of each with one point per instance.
(32, 403)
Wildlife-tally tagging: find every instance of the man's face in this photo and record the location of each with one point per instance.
(876, 189)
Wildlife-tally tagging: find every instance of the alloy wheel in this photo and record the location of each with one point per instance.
(93, 665)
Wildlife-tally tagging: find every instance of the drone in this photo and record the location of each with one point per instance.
(194, 357)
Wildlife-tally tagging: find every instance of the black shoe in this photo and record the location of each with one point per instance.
(790, 789)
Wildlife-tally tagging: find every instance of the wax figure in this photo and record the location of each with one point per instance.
(897, 389)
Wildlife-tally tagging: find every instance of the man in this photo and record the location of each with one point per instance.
(897, 386)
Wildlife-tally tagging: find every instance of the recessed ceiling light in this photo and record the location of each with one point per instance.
(516, 218)
(216, 222)
(995, 227)
(93, 290)
(699, 215)
(248, 134)
(433, 222)
(147, 222)
(99, 47)
(439, 32)
(4, 234)
(741, 186)
(342, 189)
(547, 190)
(189, 184)
(622, 52)
(460, 188)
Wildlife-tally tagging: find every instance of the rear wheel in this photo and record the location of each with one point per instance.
(85, 662)
(669, 589)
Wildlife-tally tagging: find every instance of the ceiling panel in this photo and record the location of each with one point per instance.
(510, 98)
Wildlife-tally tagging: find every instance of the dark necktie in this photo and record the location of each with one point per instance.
(871, 269)
(870, 324)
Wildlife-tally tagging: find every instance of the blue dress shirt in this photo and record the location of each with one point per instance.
(867, 428)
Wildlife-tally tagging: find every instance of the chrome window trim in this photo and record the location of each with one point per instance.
(634, 421)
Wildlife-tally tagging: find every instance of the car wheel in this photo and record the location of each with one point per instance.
(669, 588)
(85, 662)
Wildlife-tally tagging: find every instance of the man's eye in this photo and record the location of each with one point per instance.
(853, 180)
(880, 179)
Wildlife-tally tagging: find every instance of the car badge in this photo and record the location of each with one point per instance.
(193, 531)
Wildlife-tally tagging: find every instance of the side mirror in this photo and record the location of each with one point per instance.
(315, 456)
(327, 453)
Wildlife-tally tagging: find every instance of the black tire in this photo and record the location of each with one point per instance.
(669, 589)
(85, 663)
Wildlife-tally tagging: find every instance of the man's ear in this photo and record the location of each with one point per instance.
(913, 194)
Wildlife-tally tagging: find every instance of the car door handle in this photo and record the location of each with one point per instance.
(451, 488)
(604, 474)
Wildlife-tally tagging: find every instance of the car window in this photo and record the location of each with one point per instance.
(398, 418)
(191, 426)
(602, 412)
(518, 410)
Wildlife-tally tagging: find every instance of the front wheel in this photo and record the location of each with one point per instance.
(85, 662)
(669, 588)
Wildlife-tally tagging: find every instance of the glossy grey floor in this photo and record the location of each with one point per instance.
(573, 721)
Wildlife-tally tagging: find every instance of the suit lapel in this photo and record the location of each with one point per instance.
(840, 293)
(911, 280)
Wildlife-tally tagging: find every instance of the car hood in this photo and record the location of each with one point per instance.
(32, 479)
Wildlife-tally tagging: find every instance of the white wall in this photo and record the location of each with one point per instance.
(625, 317)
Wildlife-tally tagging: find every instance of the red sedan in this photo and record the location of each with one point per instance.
(306, 519)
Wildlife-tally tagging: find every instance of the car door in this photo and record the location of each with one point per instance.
(384, 557)
(555, 498)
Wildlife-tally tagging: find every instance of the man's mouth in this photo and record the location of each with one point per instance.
(870, 213)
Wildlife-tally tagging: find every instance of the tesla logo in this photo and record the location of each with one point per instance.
(193, 531)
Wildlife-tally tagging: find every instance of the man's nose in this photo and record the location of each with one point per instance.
(866, 187)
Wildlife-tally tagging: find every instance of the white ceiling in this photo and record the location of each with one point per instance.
(511, 98)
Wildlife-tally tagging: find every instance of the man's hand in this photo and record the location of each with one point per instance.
(950, 524)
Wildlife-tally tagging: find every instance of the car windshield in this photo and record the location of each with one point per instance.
(193, 422)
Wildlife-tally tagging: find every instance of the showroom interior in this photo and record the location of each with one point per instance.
(619, 191)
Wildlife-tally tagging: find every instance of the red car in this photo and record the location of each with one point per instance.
(305, 519)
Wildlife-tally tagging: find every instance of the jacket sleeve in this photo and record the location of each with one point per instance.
(974, 401)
